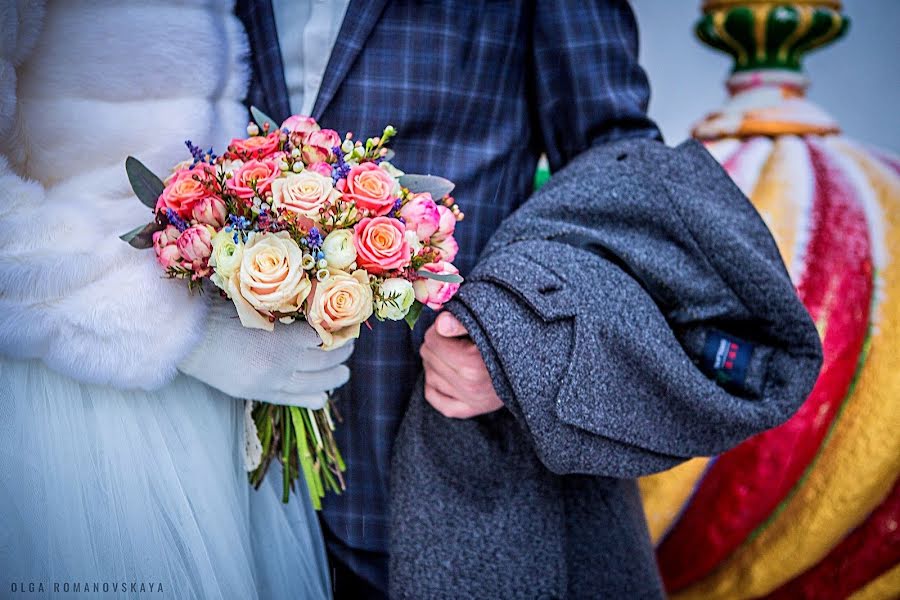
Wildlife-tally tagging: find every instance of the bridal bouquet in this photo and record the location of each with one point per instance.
(296, 223)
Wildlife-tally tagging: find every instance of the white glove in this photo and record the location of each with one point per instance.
(281, 367)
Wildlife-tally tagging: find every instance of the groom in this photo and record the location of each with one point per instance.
(478, 91)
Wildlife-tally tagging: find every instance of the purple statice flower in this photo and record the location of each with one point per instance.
(175, 220)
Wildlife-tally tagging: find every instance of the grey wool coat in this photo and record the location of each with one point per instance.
(633, 313)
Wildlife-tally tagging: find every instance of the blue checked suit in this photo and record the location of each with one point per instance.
(477, 90)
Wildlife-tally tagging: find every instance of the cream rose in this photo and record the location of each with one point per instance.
(339, 249)
(271, 279)
(338, 306)
(303, 193)
(395, 297)
(225, 258)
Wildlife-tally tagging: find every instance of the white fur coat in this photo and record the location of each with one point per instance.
(83, 84)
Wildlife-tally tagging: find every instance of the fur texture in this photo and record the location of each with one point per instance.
(93, 82)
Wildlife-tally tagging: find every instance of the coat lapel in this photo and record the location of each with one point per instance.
(358, 24)
(268, 90)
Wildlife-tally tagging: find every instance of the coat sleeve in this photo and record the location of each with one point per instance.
(609, 318)
(587, 85)
(72, 294)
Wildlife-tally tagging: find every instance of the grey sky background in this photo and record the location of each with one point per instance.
(856, 79)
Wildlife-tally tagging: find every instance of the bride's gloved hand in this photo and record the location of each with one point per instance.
(281, 367)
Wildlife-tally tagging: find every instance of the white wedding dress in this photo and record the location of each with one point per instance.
(114, 469)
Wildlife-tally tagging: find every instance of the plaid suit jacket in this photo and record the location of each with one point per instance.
(477, 90)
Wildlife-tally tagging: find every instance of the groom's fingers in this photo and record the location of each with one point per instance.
(447, 406)
(449, 326)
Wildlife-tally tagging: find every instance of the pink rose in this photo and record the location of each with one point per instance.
(258, 146)
(300, 124)
(210, 210)
(254, 172)
(317, 147)
(446, 247)
(339, 304)
(447, 222)
(164, 243)
(372, 188)
(381, 245)
(433, 293)
(421, 216)
(185, 189)
(195, 246)
(322, 168)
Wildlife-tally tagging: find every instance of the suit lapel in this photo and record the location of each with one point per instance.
(358, 23)
(268, 90)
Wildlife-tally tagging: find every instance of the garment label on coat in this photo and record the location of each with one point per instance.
(726, 358)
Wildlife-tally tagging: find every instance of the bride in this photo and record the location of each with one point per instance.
(116, 468)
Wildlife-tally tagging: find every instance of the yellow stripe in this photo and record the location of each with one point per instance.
(861, 460)
(883, 588)
(760, 17)
(778, 195)
(836, 21)
(719, 26)
(803, 26)
(665, 494)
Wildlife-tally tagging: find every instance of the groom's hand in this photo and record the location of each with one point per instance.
(457, 383)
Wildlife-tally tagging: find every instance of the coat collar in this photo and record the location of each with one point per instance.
(358, 23)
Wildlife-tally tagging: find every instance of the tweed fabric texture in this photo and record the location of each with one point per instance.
(591, 315)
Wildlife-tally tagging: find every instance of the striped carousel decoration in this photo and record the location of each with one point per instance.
(810, 509)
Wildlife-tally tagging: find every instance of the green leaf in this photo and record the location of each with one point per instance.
(262, 118)
(413, 315)
(438, 187)
(445, 277)
(142, 237)
(147, 186)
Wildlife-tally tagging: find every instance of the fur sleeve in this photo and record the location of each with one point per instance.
(72, 293)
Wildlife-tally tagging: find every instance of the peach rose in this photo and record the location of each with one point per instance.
(381, 244)
(166, 247)
(339, 305)
(210, 210)
(185, 189)
(300, 124)
(270, 279)
(258, 146)
(318, 145)
(433, 293)
(372, 188)
(195, 246)
(303, 193)
(421, 216)
(260, 173)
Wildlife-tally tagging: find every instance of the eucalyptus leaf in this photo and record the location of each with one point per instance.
(413, 315)
(142, 237)
(445, 277)
(388, 155)
(438, 187)
(262, 118)
(147, 186)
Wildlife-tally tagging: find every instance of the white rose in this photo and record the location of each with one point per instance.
(271, 279)
(395, 297)
(225, 258)
(391, 169)
(340, 252)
